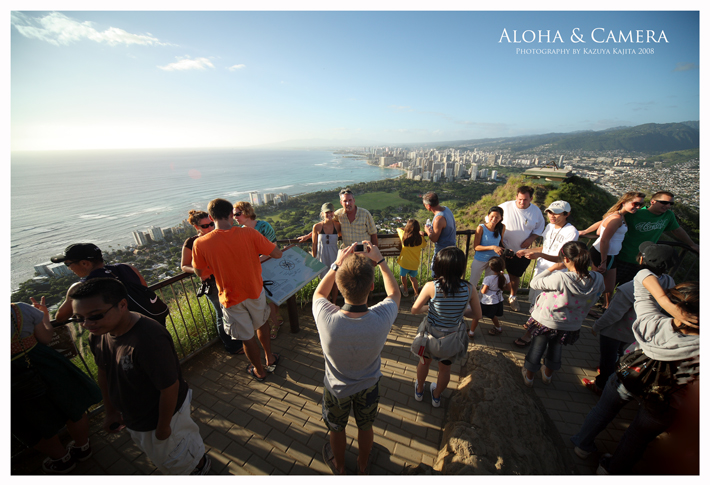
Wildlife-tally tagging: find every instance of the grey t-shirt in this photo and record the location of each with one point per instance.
(352, 346)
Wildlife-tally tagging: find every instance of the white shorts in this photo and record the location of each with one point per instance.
(241, 320)
(182, 451)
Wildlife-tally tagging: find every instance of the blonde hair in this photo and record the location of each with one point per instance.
(623, 200)
(246, 209)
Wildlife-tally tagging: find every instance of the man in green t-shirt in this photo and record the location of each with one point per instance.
(648, 224)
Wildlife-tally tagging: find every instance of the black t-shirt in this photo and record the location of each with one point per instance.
(138, 364)
(121, 271)
(189, 242)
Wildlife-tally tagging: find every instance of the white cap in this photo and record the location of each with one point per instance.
(558, 207)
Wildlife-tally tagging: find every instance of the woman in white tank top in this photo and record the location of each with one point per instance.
(611, 232)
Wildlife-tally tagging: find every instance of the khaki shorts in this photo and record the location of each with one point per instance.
(364, 403)
(241, 320)
(180, 453)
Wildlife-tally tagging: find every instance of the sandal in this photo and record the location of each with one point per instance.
(273, 330)
(272, 368)
(521, 343)
(280, 320)
(329, 458)
(495, 331)
(250, 371)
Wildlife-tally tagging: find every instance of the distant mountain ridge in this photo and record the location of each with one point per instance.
(651, 138)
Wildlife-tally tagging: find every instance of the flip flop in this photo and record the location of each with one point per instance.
(273, 330)
(521, 343)
(592, 386)
(271, 368)
(250, 371)
(329, 458)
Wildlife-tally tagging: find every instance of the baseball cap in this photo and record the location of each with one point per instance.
(77, 252)
(327, 207)
(558, 207)
(659, 256)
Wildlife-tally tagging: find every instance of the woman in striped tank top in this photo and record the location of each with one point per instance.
(447, 300)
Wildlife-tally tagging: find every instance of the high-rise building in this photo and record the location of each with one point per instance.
(139, 238)
(474, 171)
(494, 174)
(155, 233)
(255, 198)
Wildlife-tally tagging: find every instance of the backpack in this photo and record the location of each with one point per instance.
(141, 299)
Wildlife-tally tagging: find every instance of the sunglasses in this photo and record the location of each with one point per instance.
(665, 202)
(237, 213)
(346, 191)
(94, 318)
(638, 204)
(205, 226)
(69, 263)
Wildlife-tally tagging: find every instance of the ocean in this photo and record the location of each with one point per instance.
(60, 198)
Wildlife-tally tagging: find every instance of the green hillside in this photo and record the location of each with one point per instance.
(673, 158)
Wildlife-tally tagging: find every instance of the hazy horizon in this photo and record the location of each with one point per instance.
(84, 80)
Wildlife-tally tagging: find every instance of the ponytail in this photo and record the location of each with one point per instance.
(577, 252)
(497, 265)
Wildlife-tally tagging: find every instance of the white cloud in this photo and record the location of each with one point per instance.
(236, 67)
(58, 29)
(187, 64)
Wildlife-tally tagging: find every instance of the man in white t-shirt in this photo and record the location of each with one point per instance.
(556, 234)
(523, 224)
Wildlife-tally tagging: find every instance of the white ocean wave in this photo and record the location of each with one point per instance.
(93, 216)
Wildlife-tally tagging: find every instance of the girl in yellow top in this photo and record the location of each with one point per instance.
(409, 259)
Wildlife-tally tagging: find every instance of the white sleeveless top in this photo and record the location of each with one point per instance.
(616, 239)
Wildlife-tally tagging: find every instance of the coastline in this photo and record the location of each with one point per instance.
(112, 230)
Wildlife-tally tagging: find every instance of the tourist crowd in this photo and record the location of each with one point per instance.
(645, 319)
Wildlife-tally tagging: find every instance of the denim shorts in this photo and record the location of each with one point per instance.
(412, 273)
(364, 403)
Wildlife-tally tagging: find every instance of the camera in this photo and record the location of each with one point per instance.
(359, 248)
(508, 253)
(206, 286)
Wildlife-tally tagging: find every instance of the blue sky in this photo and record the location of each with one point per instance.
(97, 79)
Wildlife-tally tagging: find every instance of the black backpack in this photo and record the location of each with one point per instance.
(141, 299)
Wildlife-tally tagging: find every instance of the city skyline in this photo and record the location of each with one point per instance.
(106, 80)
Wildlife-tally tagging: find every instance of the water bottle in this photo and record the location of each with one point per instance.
(428, 223)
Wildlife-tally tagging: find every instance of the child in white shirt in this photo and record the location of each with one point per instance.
(492, 295)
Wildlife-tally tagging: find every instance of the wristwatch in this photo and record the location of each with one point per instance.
(334, 267)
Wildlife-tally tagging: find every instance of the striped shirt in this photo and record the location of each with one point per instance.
(357, 231)
(448, 311)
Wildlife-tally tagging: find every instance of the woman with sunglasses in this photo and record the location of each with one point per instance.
(611, 234)
(325, 242)
(203, 224)
(245, 216)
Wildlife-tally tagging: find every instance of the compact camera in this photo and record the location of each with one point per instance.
(508, 253)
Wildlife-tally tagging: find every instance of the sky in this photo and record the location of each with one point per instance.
(162, 79)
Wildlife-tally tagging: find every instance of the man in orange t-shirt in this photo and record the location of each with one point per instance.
(231, 254)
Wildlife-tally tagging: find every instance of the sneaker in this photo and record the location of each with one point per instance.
(63, 465)
(514, 305)
(528, 382)
(79, 453)
(436, 402)
(581, 453)
(405, 291)
(205, 466)
(545, 378)
(603, 468)
(418, 395)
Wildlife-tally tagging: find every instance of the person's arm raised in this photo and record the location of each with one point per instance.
(391, 286)
(326, 284)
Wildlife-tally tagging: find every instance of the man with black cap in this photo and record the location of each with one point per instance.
(86, 261)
